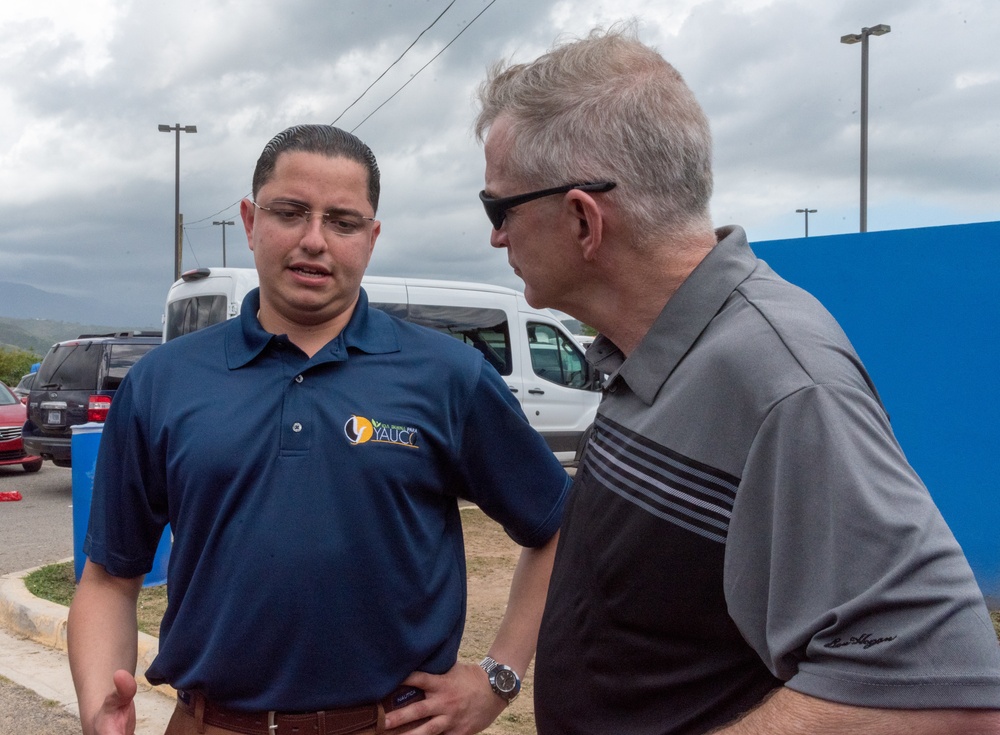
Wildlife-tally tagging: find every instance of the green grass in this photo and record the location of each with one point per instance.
(57, 582)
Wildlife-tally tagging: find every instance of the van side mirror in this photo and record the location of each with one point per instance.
(595, 379)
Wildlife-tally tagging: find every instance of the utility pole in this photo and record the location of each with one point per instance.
(178, 228)
(807, 212)
(223, 223)
(880, 30)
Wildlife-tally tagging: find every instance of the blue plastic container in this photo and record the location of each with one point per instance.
(85, 443)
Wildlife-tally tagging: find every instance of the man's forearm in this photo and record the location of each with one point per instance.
(788, 712)
(517, 635)
(101, 635)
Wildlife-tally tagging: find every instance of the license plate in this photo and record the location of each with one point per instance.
(53, 417)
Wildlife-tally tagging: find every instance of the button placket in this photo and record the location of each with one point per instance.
(296, 412)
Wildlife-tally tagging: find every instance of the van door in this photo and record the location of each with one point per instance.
(560, 394)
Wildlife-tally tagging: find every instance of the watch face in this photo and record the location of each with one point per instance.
(506, 680)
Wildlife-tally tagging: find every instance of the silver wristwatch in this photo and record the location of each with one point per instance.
(504, 680)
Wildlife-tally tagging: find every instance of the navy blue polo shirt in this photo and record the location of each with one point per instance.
(318, 556)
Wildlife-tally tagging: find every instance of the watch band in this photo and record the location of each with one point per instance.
(504, 681)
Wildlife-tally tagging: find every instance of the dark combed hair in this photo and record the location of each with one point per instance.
(323, 139)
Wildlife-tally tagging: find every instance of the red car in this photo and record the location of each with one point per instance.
(12, 416)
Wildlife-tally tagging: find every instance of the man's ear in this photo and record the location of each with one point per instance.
(248, 213)
(588, 222)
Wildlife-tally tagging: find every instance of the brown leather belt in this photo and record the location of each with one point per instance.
(339, 721)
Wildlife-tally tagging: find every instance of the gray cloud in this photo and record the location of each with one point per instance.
(86, 180)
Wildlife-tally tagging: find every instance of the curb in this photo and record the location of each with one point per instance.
(44, 622)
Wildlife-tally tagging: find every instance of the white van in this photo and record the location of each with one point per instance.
(537, 356)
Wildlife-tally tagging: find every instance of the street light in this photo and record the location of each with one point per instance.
(880, 30)
(223, 223)
(807, 212)
(178, 128)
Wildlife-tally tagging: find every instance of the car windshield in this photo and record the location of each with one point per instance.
(6, 397)
(70, 366)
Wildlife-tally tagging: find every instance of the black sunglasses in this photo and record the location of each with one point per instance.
(496, 207)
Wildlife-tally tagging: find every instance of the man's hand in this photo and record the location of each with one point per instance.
(117, 715)
(459, 702)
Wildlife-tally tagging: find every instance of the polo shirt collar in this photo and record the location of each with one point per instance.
(369, 330)
(685, 316)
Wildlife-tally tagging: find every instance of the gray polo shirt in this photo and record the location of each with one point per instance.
(744, 519)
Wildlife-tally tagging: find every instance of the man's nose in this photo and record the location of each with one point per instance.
(314, 237)
(498, 238)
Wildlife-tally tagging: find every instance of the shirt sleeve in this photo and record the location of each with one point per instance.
(840, 571)
(129, 504)
(506, 466)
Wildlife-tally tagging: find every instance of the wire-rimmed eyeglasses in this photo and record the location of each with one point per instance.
(337, 221)
(496, 207)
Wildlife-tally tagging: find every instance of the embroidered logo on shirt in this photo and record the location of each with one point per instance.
(865, 640)
(361, 430)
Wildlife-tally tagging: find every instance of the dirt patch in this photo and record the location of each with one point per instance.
(22, 711)
(491, 557)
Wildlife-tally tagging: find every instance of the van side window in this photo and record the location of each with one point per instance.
(484, 329)
(189, 315)
(555, 358)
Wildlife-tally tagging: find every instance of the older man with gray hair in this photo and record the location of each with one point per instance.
(746, 548)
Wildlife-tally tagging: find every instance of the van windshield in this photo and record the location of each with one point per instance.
(189, 315)
(485, 329)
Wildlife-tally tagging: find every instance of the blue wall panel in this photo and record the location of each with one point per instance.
(920, 307)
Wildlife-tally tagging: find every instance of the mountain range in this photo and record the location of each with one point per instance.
(33, 319)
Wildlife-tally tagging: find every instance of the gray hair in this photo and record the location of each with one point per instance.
(607, 107)
(324, 139)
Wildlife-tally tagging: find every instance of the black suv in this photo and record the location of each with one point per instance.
(75, 384)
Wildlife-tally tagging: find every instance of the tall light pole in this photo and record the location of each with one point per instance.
(223, 223)
(807, 212)
(178, 128)
(880, 30)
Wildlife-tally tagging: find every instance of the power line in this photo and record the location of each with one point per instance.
(191, 248)
(445, 48)
(204, 219)
(394, 63)
(414, 76)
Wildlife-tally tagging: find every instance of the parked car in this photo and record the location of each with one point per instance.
(75, 385)
(12, 413)
(23, 387)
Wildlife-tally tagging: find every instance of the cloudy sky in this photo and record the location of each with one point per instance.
(87, 180)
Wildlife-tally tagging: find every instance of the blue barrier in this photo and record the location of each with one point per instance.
(85, 443)
(920, 307)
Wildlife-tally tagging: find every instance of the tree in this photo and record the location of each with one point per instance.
(15, 362)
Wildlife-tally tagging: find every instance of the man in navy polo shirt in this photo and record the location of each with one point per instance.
(309, 456)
